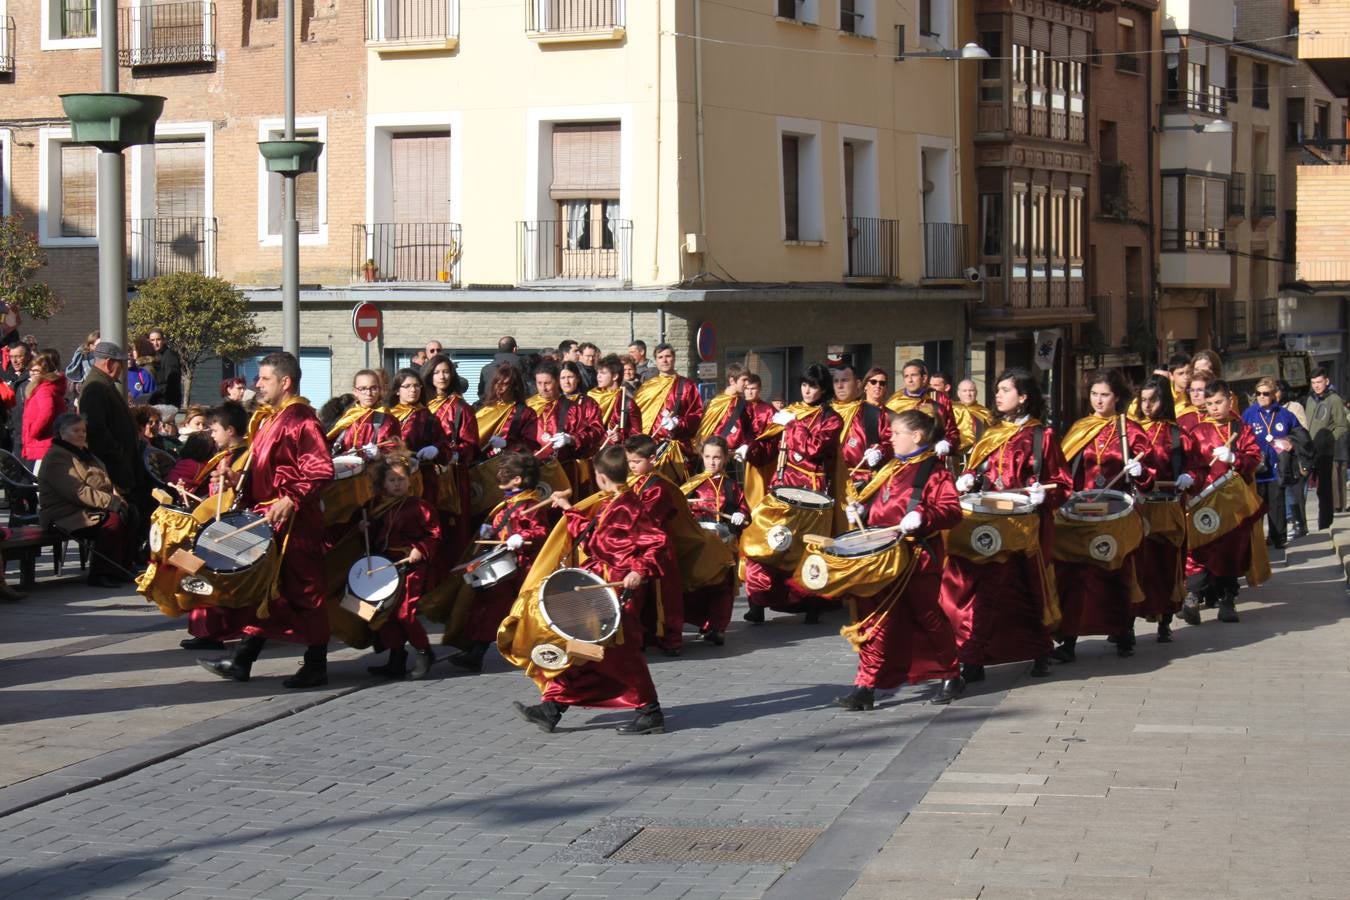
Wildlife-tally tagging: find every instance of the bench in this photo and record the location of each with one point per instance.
(25, 544)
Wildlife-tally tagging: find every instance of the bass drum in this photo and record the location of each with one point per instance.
(1083, 534)
(241, 566)
(860, 563)
(774, 536)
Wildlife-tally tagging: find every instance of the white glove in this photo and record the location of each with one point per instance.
(514, 542)
(370, 451)
(428, 452)
(965, 483)
(872, 456)
(1184, 481)
(1036, 494)
(738, 519)
(561, 439)
(1224, 454)
(942, 448)
(742, 452)
(784, 417)
(1134, 468)
(911, 522)
(855, 512)
(669, 423)
(496, 442)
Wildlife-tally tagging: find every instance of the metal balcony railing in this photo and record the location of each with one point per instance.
(6, 44)
(411, 21)
(1237, 196)
(1265, 197)
(944, 250)
(406, 251)
(573, 16)
(166, 34)
(1174, 240)
(167, 245)
(574, 251)
(873, 248)
(1210, 102)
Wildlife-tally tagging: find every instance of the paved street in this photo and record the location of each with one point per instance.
(1210, 767)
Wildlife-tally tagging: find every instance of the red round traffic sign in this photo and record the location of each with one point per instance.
(367, 321)
(705, 342)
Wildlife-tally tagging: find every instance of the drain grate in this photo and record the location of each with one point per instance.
(731, 845)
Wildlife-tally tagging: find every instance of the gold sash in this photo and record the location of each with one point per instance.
(994, 439)
(490, 417)
(1082, 433)
(651, 398)
(712, 415)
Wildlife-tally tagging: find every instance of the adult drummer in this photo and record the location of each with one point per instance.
(726, 415)
(505, 420)
(288, 464)
(808, 445)
(972, 417)
(417, 427)
(365, 424)
(757, 452)
(619, 413)
(865, 439)
(916, 393)
(567, 421)
(1006, 611)
(1194, 411)
(1105, 449)
(442, 386)
(671, 406)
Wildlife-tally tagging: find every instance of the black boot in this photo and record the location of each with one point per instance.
(1065, 652)
(972, 673)
(951, 689)
(238, 666)
(650, 720)
(812, 616)
(714, 637)
(543, 716)
(314, 670)
(754, 615)
(422, 665)
(201, 643)
(1228, 609)
(470, 660)
(1165, 629)
(1040, 668)
(858, 701)
(1124, 644)
(396, 667)
(1190, 609)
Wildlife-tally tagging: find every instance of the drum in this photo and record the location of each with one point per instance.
(861, 563)
(1099, 528)
(240, 567)
(778, 522)
(1164, 517)
(995, 526)
(1226, 503)
(722, 531)
(172, 528)
(348, 492)
(377, 583)
(578, 605)
(490, 568)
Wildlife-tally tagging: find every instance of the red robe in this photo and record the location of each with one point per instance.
(407, 524)
(1230, 555)
(492, 604)
(580, 417)
(421, 428)
(734, 425)
(519, 429)
(1003, 611)
(1189, 420)
(870, 427)
(290, 459)
(684, 403)
(713, 497)
(461, 440)
(666, 600)
(631, 419)
(1159, 563)
(914, 641)
(363, 431)
(624, 540)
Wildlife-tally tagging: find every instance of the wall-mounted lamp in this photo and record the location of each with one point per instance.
(1213, 126)
(969, 51)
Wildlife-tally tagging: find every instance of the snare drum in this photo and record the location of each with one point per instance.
(240, 566)
(1164, 517)
(995, 526)
(447, 488)
(491, 568)
(348, 492)
(171, 529)
(1099, 528)
(1226, 503)
(774, 536)
(376, 582)
(861, 563)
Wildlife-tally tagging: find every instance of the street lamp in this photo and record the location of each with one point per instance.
(1213, 126)
(968, 51)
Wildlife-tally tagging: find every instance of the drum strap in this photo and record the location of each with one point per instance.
(1124, 443)
(564, 405)
(1178, 458)
(871, 416)
(454, 423)
(730, 423)
(1037, 451)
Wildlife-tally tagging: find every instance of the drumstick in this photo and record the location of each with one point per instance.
(249, 527)
(596, 587)
(391, 565)
(182, 489)
(862, 465)
(1119, 475)
(547, 501)
(525, 544)
(366, 533)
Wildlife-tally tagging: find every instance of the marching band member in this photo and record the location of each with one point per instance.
(619, 413)
(972, 417)
(918, 394)
(365, 424)
(727, 415)
(567, 422)
(905, 636)
(441, 385)
(403, 527)
(521, 528)
(621, 544)
(1194, 412)
(289, 462)
(808, 439)
(505, 420)
(671, 407)
(1225, 443)
(418, 428)
(1098, 447)
(864, 440)
(714, 497)
(663, 614)
(756, 453)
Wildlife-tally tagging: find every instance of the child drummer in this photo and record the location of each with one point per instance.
(518, 524)
(406, 529)
(714, 497)
(621, 544)
(663, 617)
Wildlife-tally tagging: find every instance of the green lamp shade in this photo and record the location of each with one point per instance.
(291, 157)
(112, 121)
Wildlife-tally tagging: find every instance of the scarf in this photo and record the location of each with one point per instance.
(1083, 432)
(995, 438)
(892, 468)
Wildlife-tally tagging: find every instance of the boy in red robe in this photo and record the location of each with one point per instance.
(714, 497)
(663, 615)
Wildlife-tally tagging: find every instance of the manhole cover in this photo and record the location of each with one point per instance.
(731, 845)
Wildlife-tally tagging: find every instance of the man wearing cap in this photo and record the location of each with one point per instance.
(112, 432)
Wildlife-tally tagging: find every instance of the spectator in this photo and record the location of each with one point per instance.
(192, 456)
(641, 365)
(1274, 428)
(148, 421)
(1327, 424)
(140, 380)
(506, 355)
(16, 378)
(76, 493)
(589, 355)
(418, 360)
(1294, 466)
(568, 352)
(46, 400)
(631, 381)
(80, 360)
(167, 369)
(111, 430)
(433, 349)
(194, 420)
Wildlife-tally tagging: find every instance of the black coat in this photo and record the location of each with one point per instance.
(168, 372)
(112, 431)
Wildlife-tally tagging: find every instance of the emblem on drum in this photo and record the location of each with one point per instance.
(779, 538)
(191, 584)
(986, 540)
(549, 656)
(1103, 548)
(156, 538)
(815, 573)
(1206, 520)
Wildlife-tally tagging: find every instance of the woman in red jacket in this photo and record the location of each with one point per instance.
(45, 401)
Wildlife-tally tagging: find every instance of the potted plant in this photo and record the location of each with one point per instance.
(369, 270)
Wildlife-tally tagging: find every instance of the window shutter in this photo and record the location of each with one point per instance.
(420, 166)
(585, 161)
(79, 191)
(180, 179)
(791, 191)
(1196, 51)
(848, 180)
(1059, 41)
(307, 202)
(1021, 31)
(1078, 44)
(1170, 212)
(1040, 34)
(1195, 203)
(1215, 211)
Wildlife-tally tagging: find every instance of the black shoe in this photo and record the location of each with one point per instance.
(396, 667)
(1190, 610)
(226, 668)
(201, 643)
(1064, 653)
(1125, 648)
(672, 651)
(308, 676)
(812, 616)
(1228, 610)
(754, 615)
(951, 689)
(1040, 668)
(971, 673)
(467, 660)
(423, 665)
(542, 715)
(713, 636)
(650, 720)
(1211, 601)
(860, 700)
(1164, 633)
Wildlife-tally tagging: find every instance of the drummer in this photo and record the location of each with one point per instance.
(619, 413)
(517, 525)
(671, 406)
(568, 421)
(715, 498)
(972, 417)
(1224, 443)
(906, 637)
(505, 420)
(443, 387)
(727, 415)
(419, 428)
(663, 615)
(1004, 611)
(621, 544)
(865, 439)
(365, 424)
(756, 453)
(916, 393)
(405, 530)
(1104, 450)
(808, 443)
(1173, 457)
(1194, 412)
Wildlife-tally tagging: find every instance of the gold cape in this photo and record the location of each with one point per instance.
(651, 397)
(490, 417)
(998, 434)
(354, 414)
(713, 412)
(1082, 432)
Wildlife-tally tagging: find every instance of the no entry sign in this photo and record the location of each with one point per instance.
(367, 321)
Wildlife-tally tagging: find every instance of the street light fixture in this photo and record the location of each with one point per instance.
(968, 51)
(1213, 126)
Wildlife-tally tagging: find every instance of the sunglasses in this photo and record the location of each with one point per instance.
(880, 381)
(1265, 394)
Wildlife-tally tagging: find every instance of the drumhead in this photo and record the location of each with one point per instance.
(852, 544)
(1020, 504)
(577, 604)
(803, 497)
(347, 465)
(1119, 505)
(223, 551)
(370, 585)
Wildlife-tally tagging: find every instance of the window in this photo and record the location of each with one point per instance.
(926, 18)
(1261, 86)
(805, 11)
(991, 225)
(266, 9)
(1231, 80)
(69, 24)
(586, 185)
(932, 17)
(1126, 58)
(858, 17)
(1019, 230)
(311, 202)
(1294, 112)
(316, 371)
(791, 187)
(991, 70)
(1195, 210)
(1075, 233)
(1237, 322)
(5, 139)
(180, 178)
(1321, 121)
(79, 192)
(799, 165)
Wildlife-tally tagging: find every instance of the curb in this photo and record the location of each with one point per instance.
(1340, 540)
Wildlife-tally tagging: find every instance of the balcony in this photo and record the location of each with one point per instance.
(1265, 196)
(873, 248)
(944, 251)
(563, 21)
(1210, 102)
(1237, 196)
(412, 25)
(573, 252)
(6, 44)
(426, 252)
(166, 34)
(168, 245)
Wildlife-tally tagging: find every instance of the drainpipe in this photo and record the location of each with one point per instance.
(698, 118)
(656, 231)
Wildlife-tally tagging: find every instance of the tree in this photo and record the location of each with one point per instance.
(20, 259)
(200, 316)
